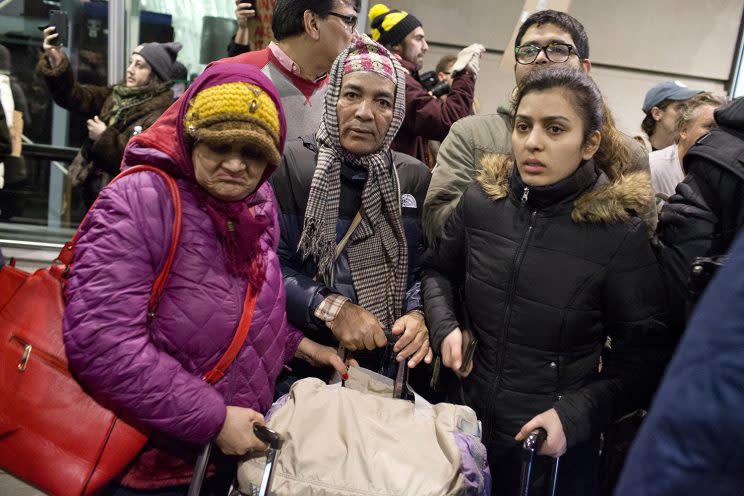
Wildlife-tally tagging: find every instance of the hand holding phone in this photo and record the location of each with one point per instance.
(58, 19)
(52, 52)
(458, 349)
(245, 9)
(469, 342)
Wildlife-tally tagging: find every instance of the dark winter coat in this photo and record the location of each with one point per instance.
(692, 443)
(428, 118)
(90, 100)
(292, 186)
(704, 215)
(547, 274)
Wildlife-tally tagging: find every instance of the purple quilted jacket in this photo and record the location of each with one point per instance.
(154, 371)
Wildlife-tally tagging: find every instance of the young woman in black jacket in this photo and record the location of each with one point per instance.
(549, 259)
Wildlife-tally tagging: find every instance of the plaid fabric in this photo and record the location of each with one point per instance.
(377, 250)
(329, 307)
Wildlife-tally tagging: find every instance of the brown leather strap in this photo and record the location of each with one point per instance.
(354, 224)
(241, 334)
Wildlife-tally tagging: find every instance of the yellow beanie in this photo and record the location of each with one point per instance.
(235, 112)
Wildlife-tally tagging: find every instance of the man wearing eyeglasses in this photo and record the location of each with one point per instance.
(545, 38)
(310, 34)
(427, 118)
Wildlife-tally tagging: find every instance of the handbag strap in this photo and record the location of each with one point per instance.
(241, 333)
(62, 264)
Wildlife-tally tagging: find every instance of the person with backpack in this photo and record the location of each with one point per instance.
(220, 141)
(705, 214)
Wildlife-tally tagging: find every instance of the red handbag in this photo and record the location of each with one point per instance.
(53, 434)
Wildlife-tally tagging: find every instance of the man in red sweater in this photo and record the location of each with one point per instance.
(310, 34)
(427, 117)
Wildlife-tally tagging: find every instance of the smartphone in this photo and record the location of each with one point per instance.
(58, 19)
(253, 4)
(469, 343)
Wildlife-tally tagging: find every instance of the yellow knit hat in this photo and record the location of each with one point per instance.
(235, 112)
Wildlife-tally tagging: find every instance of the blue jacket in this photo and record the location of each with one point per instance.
(292, 187)
(692, 441)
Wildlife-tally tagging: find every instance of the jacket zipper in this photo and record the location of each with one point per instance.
(516, 265)
(48, 359)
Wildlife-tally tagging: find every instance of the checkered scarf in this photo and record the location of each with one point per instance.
(377, 250)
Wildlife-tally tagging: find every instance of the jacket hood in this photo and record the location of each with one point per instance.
(731, 115)
(607, 202)
(164, 145)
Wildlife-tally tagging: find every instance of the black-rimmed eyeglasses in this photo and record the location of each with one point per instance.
(349, 20)
(555, 52)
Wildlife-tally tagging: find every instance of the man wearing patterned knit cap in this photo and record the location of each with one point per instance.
(350, 217)
(427, 118)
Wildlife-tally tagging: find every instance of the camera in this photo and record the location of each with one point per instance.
(428, 80)
(430, 83)
(440, 89)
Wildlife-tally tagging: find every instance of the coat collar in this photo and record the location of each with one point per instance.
(592, 196)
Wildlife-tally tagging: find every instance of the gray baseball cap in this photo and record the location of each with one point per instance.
(668, 90)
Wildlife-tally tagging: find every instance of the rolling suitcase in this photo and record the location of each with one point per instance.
(530, 447)
(266, 435)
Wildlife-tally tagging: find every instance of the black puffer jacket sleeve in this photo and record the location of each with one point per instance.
(699, 220)
(635, 315)
(444, 266)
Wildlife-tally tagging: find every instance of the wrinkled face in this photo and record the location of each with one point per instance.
(547, 140)
(364, 111)
(138, 71)
(414, 47)
(701, 123)
(541, 36)
(228, 172)
(334, 34)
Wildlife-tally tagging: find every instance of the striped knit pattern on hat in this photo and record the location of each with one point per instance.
(368, 58)
(377, 250)
(390, 27)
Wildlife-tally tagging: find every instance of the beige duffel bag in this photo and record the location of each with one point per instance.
(359, 440)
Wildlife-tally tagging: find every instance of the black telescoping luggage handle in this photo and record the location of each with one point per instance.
(530, 447)
(268, 436)
(272, 438)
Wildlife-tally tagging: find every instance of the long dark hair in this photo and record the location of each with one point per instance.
(589, 105)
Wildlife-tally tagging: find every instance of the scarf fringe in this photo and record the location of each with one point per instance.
(314, 245)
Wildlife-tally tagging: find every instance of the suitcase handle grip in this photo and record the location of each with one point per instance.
(272, 438)
(535, 440)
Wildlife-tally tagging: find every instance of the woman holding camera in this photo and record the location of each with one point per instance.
(114, 113)
(550, 259)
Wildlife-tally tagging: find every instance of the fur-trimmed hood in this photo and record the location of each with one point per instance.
(607, 202)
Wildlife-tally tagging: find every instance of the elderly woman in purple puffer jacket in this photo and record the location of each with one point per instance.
(221, 141)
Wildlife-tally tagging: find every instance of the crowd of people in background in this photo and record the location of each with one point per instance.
(365, 204)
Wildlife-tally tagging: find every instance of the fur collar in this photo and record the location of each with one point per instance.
(607, 202)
